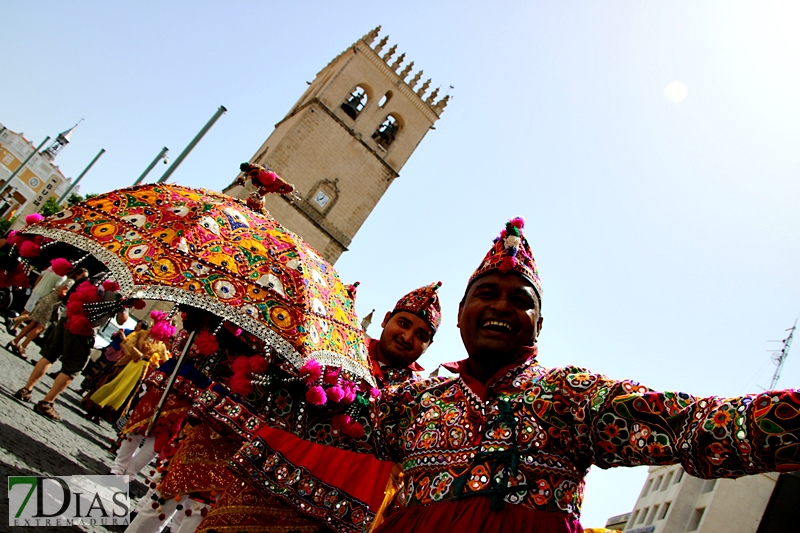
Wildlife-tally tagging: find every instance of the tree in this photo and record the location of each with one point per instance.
(50, 207)
(74, 199)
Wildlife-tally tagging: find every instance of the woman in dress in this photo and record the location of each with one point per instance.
(42, 313)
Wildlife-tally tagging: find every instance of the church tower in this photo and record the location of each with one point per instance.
(345, 141)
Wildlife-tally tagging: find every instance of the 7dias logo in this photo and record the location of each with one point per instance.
(68, 501)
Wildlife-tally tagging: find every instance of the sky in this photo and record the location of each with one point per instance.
(650, 146)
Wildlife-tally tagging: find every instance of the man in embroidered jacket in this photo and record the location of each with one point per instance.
(505, 446)
(257, 501)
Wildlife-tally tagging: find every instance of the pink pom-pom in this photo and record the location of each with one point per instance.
(21, 280)
(349, 393)
(61, 266)
(206, 343)
(355, 430)
(341, 422)
(507, 264)
(162, 330)
(331, 376)
(33, 218)
(316, 396)
(79, 325)
(74, 307)
(311, 371)
(110, 285)
(517, 222)
(138, 304)
(158, 315)
(29, 249)
(258, 364)
(335, 393)
(241, 384)
(375, 393)
(241, 365)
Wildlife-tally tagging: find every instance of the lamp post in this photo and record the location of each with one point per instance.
(192, 144)
(161, 155)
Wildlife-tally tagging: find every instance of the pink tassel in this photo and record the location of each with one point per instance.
(241, 365)
(356, 430)
(162, 330)
(316, 396)
(61, 266)
(29, 249)
(375, 393)
(206, 343)
(33, 218)
(517, 222)
(349, 393)
(507, 264)
(257, 364)
(341, 422)
(335, 393)
(110, 285)
(331, 376)
(240, 384)
(311, 371)
(79, 325)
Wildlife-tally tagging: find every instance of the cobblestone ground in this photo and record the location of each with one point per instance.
(31, 444)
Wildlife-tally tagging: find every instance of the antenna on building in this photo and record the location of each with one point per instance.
(779, 356)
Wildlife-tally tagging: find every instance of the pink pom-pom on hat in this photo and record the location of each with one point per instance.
(33, 218)
(510, 252)
(61, 266)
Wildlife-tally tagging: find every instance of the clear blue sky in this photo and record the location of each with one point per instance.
(666, 233)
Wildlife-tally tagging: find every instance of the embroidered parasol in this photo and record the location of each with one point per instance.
(205, 249)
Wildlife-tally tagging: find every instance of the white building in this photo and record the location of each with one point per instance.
(37, 181)
(675, 502)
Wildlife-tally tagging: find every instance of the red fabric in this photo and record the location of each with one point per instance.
(362, 476)
(475, 515)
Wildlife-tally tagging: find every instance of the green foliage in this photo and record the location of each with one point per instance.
(90, 195)
(50, 207)
(5, 224)
(73, 199)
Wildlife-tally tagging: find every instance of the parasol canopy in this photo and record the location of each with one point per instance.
(205, 249)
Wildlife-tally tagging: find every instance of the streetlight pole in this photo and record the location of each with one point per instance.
(74, 183)
(19, 168)
(161, 155)
(192, 144)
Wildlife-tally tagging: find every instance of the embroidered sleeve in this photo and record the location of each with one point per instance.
(623, 423)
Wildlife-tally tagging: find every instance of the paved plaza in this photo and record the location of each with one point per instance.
(31, 444)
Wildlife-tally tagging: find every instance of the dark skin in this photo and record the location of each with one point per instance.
(500, 314)
(404, 338)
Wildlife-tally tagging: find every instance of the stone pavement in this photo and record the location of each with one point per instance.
(31, 444)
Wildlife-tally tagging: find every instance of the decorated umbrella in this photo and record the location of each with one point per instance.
(211, 251)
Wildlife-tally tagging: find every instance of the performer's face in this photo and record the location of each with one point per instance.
(404, 338)
(498, 316)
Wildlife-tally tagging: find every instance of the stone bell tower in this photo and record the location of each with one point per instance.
(345, 141)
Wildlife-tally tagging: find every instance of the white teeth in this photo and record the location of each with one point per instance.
(497, 323)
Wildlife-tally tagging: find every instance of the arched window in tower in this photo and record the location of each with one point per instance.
(355, 102)
(385, 99)
(387, 132)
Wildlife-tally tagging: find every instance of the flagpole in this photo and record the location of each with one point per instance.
(192, 144)
(171, 380)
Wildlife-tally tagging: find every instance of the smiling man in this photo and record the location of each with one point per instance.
(505, 446)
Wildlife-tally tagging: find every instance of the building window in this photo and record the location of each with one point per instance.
(657, 483)
(387, 132)
(652, 516)
(385, 99)
(355, 102)
(647, 487)
(632, 519)
(666, 481)
(679, 477)
(708, 486)
(643, 515)
(664, 510)
(694, 521)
